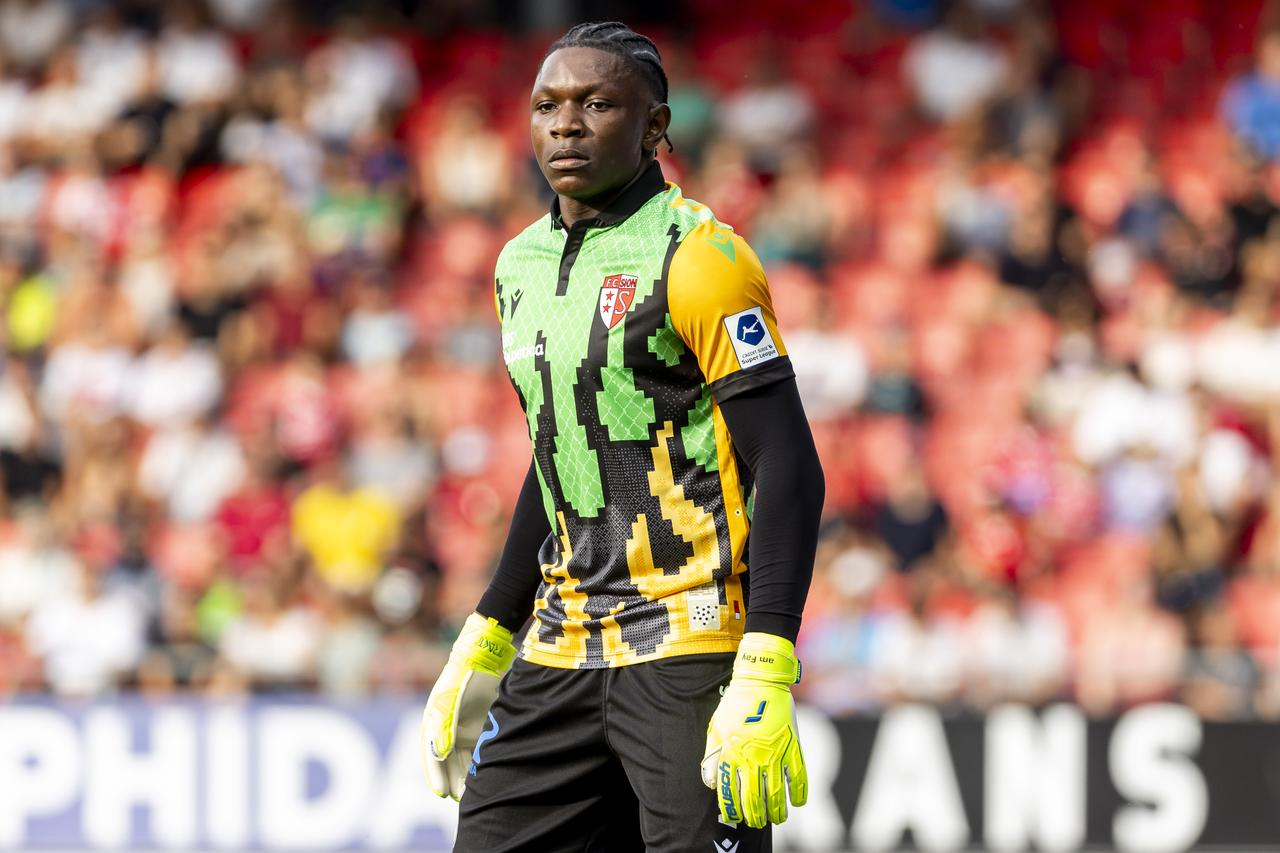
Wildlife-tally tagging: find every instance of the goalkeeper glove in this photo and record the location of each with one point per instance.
(753, 749)
(458, 706)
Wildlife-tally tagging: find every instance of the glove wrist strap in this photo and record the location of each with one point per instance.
(485, 645)
(765, 657)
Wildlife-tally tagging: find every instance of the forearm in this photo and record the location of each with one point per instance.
(772, 435)
(511, 592)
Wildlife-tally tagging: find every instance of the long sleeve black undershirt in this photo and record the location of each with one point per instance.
(511, 593)
(772, 436)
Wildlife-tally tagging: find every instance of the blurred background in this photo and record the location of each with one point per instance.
(258, 447)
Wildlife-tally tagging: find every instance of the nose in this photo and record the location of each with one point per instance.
(567, 122)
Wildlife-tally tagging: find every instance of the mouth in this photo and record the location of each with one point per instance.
(567, 159)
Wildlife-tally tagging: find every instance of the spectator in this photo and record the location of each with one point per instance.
(29, 473)
(831, 371)
(1251, 105)
(766, 114)
(273, 643)
(252, 404)
(1137, 492)
(355, 77)
(954, 69)
(388, 457)
(303, 414)
(281, 140)
(30, 30)
(349, 645)
(111, 58)
(1221, 679)
(142, 130)
(911, 522)
(1019, 651)
(240, 15)
(375, 331)
(692, 103)
(1130, 653)
(253, 520)
(919, 657)
(88, 378)
(66, 109)
(35, 569)
(196, 63)
(465, 165)
(15, 99)
(348, 532)
(840, 642)
(17, 406)
(191, 468)
(796, 225)
(174, 382)
(88, 640)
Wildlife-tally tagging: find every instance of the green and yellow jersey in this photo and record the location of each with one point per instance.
(621, 336)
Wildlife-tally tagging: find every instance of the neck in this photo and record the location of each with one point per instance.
(574, 210)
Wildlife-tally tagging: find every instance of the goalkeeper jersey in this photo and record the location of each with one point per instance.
(621, 335)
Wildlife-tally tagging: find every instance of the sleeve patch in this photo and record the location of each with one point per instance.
(752, 343)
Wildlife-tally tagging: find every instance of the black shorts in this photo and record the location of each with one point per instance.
(600, 760)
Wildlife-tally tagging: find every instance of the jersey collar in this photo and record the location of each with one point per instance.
(642, 188)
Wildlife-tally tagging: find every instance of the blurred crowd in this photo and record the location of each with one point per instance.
(255, 432)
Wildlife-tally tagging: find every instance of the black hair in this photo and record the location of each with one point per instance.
(636, 50)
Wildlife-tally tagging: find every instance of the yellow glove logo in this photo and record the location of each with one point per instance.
(727, 799)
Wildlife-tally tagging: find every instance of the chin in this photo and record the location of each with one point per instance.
(574, 186)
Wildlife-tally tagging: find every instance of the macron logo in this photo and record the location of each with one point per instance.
(727, 846)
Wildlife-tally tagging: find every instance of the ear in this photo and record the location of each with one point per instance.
(659, 121)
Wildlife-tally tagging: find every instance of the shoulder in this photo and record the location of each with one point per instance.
(534, 237)
(712, 259)
(708, 244)
(713, 248)
(713, 274)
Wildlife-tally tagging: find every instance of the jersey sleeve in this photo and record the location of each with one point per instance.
(499, 277)
(720, 306)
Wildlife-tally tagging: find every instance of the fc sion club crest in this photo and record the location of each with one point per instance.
(616, 295)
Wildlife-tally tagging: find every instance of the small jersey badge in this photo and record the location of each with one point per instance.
(616, 296)
(752, 342)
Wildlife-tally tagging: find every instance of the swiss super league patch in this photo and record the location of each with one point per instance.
(752, 343)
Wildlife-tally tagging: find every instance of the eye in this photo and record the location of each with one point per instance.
(598, 105)
(543, 107)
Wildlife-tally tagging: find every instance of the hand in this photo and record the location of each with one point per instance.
(753, 757)
(458, 706)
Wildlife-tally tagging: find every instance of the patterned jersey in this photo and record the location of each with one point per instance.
(621, 335)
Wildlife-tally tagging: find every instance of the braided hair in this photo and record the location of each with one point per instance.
(638, 51)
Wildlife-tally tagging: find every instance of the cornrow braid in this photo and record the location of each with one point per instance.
(617, 38)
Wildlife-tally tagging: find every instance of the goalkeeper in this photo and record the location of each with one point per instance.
(649, 706)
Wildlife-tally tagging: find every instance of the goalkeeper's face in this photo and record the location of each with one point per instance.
(594, 122)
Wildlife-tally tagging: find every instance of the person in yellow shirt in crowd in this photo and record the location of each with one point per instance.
(346, 531)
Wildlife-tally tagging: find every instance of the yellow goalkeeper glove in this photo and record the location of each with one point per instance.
(458, 706)
(753, 753)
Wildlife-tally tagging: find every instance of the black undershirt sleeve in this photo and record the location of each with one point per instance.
(511, 593)
(771, 434)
